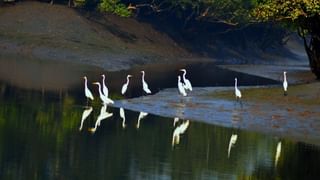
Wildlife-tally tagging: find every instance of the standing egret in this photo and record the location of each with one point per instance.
(104, 98)
(85, 114)
(145, 85)
(181, 88)
(104, 87)
(187, 84)
(122, 115)
(141, 116)
(125, 86)
(232, 142)
(87, 91)
(285, 83)
(236, 90)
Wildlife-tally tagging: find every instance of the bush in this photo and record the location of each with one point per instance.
(115, 7)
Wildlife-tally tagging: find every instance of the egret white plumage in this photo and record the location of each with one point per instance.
(122, 115)
(104, 99)
(236, 90)
(125, 86)
(232, 142)
(85, 114)
(144, 84)
(141, 116)
(105, 89)
(175, 120)
(181, 88)
(285, 83)
(187, 84)
(87, 91)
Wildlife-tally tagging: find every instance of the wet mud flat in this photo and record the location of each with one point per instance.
(263, 109)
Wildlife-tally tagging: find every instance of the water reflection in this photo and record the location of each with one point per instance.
(232, 142)
(278, 152)
(103, 115)
(141, 116)
(40, 139)
(179, 131)
(123, 117)
(85, 114)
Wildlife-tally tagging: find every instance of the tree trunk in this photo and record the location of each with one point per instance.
(313, 52)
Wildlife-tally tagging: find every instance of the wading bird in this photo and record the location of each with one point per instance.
(175, 120)
(125, 85)
(85, 114)
(187, 85)
(145, 85)
(236, 90)
(181, 88)
(87, 91)
(105, 89)
(232, 142)
(104, 98)
(285, 83)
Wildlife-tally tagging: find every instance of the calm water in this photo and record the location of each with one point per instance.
(40, 139)
(42, 135)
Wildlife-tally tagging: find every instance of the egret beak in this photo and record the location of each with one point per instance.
(95, 83)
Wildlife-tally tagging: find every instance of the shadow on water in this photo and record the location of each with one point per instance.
(41, 139)
(62, 77)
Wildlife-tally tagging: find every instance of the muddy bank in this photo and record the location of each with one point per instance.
(262, 109)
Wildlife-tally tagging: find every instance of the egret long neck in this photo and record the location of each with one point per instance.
(184, 75)
(127, 80)
(143, 76)
(99, 87)
(103, 79)
(284, 77)
(85, 83)
(235, 84)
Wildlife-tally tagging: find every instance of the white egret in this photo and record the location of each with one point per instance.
(85, 114)
(103, 115)
(125, 86)
(285, 83)
(181, 88)
(122, 115)
(105, 89)
(187, 84)
(141, 116)
(104, 98)
(178, 131)
(87, 91)
(278, 152)
(236, 90)
(232, 142)
(145, 85)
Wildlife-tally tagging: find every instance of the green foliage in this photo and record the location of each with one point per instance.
(115, 7)
(297, 13)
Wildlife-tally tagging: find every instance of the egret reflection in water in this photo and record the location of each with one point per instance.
(85, 114)
(141, 116)
(278, 152)
(123, 116)
(103, 115)
(178, 131)
(232, 142)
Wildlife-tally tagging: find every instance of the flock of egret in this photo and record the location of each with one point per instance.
(184, 85)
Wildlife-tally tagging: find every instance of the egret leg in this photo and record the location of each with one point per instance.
(285, 93)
